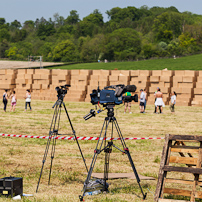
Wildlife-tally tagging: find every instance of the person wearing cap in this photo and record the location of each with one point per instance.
(142, 101)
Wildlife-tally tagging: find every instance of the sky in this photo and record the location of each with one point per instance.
(23, 10)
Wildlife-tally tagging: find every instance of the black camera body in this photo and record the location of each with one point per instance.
(62, 90)
(130, 98)
(113, 97)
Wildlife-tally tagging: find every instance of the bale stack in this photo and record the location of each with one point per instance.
(59, 78)
(79, 82)
(140, 78)
(119, 77)
(163, 80)
(41, 83)
(183, 84)
(197, 98)
(24, 81)
(101, 76)
(7, 79)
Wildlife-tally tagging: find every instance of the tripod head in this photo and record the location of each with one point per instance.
(62, 91)
(93, 113)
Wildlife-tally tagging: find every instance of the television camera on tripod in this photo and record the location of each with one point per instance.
(114, 97)
(109, 98)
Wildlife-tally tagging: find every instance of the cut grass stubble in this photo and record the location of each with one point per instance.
(23, 157)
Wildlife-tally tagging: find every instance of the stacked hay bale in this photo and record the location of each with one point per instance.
(7, 79)
(119, 77)
(183, 84)
(41, 83)
(59, 78)
(197, 97)
(163, 80)
(101, 76)
(140, 78)
(23, 82)
(79, 82)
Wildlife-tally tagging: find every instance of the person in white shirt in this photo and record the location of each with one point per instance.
(142, 101)
(28, 100)
(13, 101)
(173, 101)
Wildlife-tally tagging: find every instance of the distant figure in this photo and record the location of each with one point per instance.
(159, 101)
(155, 99)
(5, 100)
(142, 100)
(145, 102)
(28, 100)
(13, 101)
(173, 101)
(127, 104)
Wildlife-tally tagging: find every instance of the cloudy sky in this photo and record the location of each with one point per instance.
(23, 10)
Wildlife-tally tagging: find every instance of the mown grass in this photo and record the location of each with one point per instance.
(193, 62)
(23, 157)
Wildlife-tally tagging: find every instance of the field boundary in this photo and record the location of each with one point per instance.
(78, 138)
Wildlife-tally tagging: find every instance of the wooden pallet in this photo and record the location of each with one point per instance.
(180, 158)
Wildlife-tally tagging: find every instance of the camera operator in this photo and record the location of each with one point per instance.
(127, 103)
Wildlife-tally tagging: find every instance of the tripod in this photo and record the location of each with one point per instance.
(103, 145)
(53, 133)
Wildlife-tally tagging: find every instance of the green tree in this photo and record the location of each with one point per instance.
(122, 40)
(92, 48)
(167, 24)
(2, 21)
(4, 45)
(45, 28)
(64, 51)
(15, 25)
(73, 18)
(4, 34)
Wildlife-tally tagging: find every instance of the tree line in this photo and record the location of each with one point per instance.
(129, 34)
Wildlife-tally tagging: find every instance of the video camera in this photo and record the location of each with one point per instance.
(62, 90)
(113, 97)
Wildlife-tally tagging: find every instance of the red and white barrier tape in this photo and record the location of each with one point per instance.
(80, 138)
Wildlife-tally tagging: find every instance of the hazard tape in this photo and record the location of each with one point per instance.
(80, 138)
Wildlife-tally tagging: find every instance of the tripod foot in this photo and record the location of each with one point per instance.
(81, 198)
(144, 196)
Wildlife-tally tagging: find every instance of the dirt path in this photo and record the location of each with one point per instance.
(23, 64)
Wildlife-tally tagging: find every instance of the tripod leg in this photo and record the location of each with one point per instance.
(108, 150)
(55, 131)
(74, 133)
(52, 157)
(129, 156)
(44, 160)
(48, 142)
(96, 152)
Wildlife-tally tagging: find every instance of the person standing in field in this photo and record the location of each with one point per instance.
(5, 100)
(28, 100)
(127, 104)
(142, 100)
(145, 102)
(173, 101)
(13, 101)
(159, 101)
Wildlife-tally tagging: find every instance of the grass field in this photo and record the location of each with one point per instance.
(184, 63)
(23, 157)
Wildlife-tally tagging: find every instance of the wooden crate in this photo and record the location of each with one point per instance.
(180, 159)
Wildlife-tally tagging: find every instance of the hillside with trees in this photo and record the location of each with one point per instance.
(129, 34)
